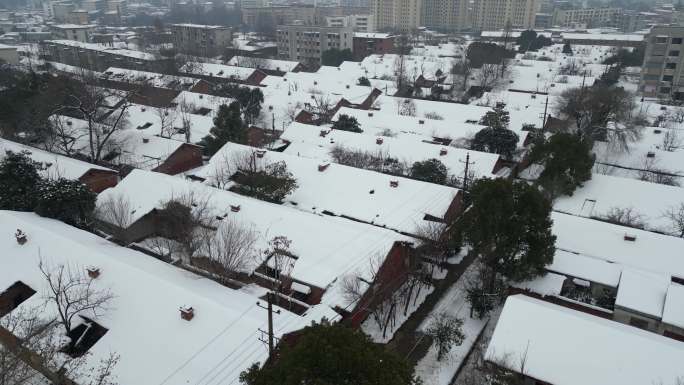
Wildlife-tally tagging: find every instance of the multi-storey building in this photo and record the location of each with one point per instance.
(445, 14)
(588, 17)
(661, 73)
(75, 32)
(366, 44)
(263, 17)
(99, 57)
(306, 44)
(359, 23)
(201, 40)
(499, 14)
(403, 15)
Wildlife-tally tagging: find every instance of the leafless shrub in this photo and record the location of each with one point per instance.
(624, 216)
(117, 211)
(676, 216)
(651, 173)
(232, 247)
(671, 140)
(433, 116)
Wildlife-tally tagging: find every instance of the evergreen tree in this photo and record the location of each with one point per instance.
(70, 201)
(228, 127)
(567, 161)
(431, 170)
(363, 81)
(509, 227)
(334, 57)
(496, 137)
(332, 354)
(347, 123)
(271, 184)
(19, 182)
(567, 49)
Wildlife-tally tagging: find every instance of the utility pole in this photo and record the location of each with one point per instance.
(465, 174)
(269, 309)
(546, 109)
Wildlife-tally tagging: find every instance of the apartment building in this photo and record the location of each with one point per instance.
(586, 17)
(271, 16)
(404, 15)
(445, 14)
(75, 32)
(498, 14)
(359, 23)
(306, 44)
(661, 74)
(201, 40)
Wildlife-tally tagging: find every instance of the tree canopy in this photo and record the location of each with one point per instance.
(19, 182)
(272, 184)
(509, 227)
(70, 201)
(431, 170)
(347, 123)
(334, 57)
(480, 53)
(529, 40)
(228, 127)
(328, 354)
(567, 161)
(496, 137)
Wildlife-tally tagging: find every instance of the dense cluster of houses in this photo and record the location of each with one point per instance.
(611, 303)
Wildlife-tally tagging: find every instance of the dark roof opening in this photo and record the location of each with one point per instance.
(11, 298)
(83, 337)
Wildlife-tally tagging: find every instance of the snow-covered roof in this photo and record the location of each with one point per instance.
(260, 63)
(566, 347)
(217, 70)
(376, 122)
(147, 121)
(201, 26)
(143, 320)
(642, 292)
(104, 48)
(73, 26)
(372, 35)
(602, 36)
(305, 140)
(326, 247)
(586, 268)
(548, 284)
(673, 311)
(321, 83)
(603, 192)
(148, 78)
(57, 165)
(197, 101)
(342, 190)
(595, 239)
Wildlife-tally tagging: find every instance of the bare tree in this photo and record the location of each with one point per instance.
(167, 118)
(654, 174)
(403, 48)
(117, 211)
(232, 247)
(93, 104)
(63, 135)
(73, 293)
(624, 216)
(406, 107)
(185, 111)
(487, 75)
(671, 140)
(323, 107)
(676, 216)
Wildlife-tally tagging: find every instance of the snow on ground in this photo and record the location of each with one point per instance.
(454, 303)
(375, 331)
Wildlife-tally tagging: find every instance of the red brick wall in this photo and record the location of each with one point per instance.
(99, 180)
(365, 46)
(255, 78)
(455, 208)
(185, 158)
(392, 274)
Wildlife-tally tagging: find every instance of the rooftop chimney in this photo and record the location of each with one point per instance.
(187, 313)
(379, 140)
(442, 151)
(394, 183)
(370, 114)
(20, 236)
(260, 153)
(630, 237)
(323, 166)
(93, 272)
(234, 208)
(323, 133)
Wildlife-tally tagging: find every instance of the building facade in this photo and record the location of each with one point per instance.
(404, 15)
(366, 44)
(306, 44)
(586, 17)
(75, 32)
(448, 15)
(500, 14)
(359, 23)
(661, 73)
(201, 40)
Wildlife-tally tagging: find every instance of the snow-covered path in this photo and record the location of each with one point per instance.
(455, 303)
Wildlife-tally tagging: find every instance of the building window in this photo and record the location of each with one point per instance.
(661, 40)
(667, 78)
(671, 66)
(665, 90)
(673, 53)
(676, 40)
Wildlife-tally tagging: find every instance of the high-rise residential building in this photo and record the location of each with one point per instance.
(499, 14)
(662, 73)
(586, 17)
(201, 40)
(445, 14)
(403, 15)
(306, 44)
(359, 23)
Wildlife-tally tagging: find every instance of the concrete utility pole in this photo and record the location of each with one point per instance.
(465, 174)
(269, 309)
